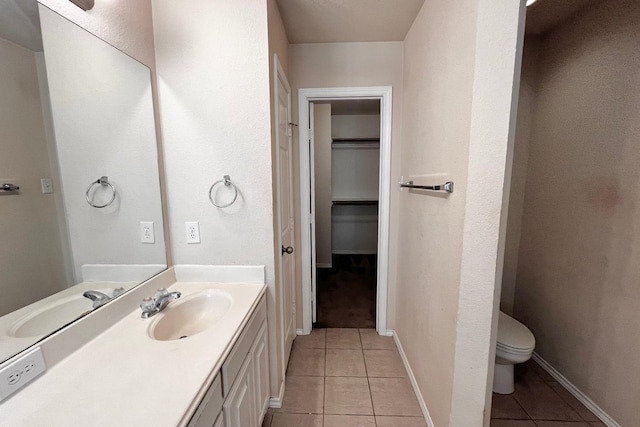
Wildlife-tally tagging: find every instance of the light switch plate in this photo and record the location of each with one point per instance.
(47, 185)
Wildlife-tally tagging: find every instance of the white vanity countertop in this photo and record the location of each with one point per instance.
(125, 378)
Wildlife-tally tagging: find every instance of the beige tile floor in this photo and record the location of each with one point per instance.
(343, 377)
(539, 401)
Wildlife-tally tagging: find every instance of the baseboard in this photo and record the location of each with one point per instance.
(387, 333)
(575, 391)
(300, 332)
(276, 402)
(412, 379)
(323, 265)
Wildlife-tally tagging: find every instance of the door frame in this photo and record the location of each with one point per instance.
(305, 96)
(280, 75)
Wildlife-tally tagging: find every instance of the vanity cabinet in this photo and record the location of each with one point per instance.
(239, 407)
(239, 396)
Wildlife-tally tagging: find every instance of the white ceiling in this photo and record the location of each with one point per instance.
(20, 23)
(328, 21)
(544, 15)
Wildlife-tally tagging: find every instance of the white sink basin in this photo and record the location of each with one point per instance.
(190, 315)
(58, 312)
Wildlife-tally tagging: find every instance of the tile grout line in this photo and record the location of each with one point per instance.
(324, 380)
(366, 371)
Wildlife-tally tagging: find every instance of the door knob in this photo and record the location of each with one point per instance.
(287, 250)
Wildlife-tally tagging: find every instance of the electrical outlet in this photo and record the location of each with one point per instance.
(147, 234)
(193, 232)
(47, 185)
(19, 373)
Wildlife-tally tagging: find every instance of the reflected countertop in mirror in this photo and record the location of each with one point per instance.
(73, 109)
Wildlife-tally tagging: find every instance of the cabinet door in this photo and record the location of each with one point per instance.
(239, 407)
(260, 356)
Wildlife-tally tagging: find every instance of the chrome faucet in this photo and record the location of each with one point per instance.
(152, 306)
(98, 298)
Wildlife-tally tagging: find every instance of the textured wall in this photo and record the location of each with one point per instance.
(578, 270)
(355, 126)
(30, 247)
(459, 68)
(436, 123)
(213, 79)
(526, 106)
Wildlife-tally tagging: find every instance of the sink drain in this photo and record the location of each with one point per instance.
(184, 336)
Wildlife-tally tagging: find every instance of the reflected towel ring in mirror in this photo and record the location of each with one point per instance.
(103, 180)
(227, 182)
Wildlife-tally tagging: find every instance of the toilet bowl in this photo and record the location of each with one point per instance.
(515, 345)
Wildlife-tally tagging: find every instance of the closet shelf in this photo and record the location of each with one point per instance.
(355, 143)
(346, 140)
(355, 201)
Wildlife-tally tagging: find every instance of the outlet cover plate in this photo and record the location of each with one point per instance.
(147, 233)
(21, 372)
(192, 230)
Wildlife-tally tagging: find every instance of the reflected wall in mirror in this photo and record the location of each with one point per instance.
(72, 109)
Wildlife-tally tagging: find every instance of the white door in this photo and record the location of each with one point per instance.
(285, 209)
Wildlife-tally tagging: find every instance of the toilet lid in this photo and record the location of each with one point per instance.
(513, 334)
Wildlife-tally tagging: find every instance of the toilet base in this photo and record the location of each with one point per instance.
(503, 379)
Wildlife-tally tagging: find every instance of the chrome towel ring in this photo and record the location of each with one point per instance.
(226, 180)
(103, 180)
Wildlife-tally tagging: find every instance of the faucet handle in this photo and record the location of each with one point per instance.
(147, 304)
(160, 292)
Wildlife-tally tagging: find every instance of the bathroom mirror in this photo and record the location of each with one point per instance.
(73, 109)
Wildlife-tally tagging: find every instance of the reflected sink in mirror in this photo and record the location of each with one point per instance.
(59, 312)
(191, 315)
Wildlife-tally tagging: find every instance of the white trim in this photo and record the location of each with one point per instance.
(412, 379)
(276, 402)
(356, 146)
(300, 332)
(384, 94)
(575, 391)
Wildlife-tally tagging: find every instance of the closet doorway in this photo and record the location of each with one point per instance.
(346, 171)
(345, 177)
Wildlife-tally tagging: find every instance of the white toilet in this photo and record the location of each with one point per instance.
(515, 345)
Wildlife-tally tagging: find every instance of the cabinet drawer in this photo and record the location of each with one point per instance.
(232, 365)
(210, 407)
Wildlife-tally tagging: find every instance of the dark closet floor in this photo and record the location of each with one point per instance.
(347, 292)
